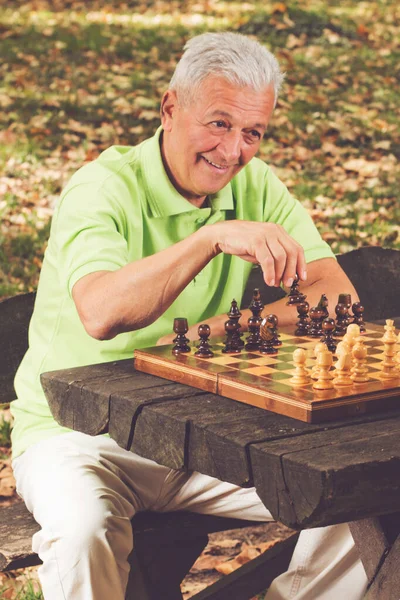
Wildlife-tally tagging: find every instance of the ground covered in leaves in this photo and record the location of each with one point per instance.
(77, 77)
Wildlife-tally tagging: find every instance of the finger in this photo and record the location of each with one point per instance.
(266, 261)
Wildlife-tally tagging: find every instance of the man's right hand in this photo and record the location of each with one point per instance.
(281, 258)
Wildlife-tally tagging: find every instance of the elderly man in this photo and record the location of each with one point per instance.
(143, 234)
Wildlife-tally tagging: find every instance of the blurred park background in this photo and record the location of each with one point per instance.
(77, 77)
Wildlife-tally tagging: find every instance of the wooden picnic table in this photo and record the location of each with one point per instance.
(306, 474)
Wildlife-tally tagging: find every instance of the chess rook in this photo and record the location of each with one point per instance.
(180, 327)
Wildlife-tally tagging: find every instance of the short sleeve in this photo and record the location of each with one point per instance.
(88, 231)
(283, 209)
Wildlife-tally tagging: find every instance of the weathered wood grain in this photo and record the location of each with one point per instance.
(17, 527)
(126, 406)
(386, 585)
(330, 476)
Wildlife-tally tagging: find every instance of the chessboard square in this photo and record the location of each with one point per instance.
(260, 371)
(374, 358)
(250, 356)
(243, 365)
(226, 360)
(374, 344)
(282, 366)
(263, 360)
(377, 335)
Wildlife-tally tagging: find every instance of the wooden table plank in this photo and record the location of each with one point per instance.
(325, 477)
(184, 427)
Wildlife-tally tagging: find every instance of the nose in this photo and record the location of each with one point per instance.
(231, 146)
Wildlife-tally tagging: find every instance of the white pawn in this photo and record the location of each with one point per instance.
(360, 369)
(320, 347)
(324, 361)
(301, 374)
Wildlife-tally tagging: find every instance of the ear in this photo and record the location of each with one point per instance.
(169, 105)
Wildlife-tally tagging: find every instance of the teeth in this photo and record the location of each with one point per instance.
(214, 164)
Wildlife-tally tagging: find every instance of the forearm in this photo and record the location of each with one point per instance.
(134, 296)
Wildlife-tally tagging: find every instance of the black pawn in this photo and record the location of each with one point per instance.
(342, 319)
(204, 348)
(303, 324)
(181, 327)
(358, 312)
(231, 344)
(328, 328)
(295, 296)
(317, 315)
(273, 320)
(253, 339)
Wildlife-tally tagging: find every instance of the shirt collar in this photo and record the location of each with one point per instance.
(162, 198)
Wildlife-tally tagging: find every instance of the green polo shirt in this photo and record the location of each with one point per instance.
(118, 209)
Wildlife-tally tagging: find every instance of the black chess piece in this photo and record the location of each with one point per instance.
(253, 339)
(234, 314)
(273, 320)
(295, 296)
(358, 312)
(256, 306)
(267, 338)
(303, 324)
(231, 343)
(328, 328)
(342, 319)
(181, 327)
(317, 315)
(345, 299)
(204, 347)
(323, 303)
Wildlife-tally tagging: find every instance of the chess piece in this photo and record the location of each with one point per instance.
(328, 328)
(389, 367)
(323, 304)
(345, 299)
(317, 316)
(231, 344)
(273, 320)
(360, 369)
(320, 347)
(303, 322)
(352, 332)
(342, 368)
(256, 306)
(358, 311)
(254, 322)
(234, 314)
(204, 347)
(324, 361)
(253, 339)
(342, 319)
(267, 338)
(181, 327)
(301, 374)
(295, 296)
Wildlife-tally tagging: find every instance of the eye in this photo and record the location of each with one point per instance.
(219, 124)
(254, 134)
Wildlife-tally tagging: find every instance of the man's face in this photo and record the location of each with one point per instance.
(206, 143)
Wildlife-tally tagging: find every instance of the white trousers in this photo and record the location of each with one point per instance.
(84, 491)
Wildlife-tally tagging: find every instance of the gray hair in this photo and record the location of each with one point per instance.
(235, 57)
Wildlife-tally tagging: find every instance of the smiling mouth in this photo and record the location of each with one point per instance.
(220, 167)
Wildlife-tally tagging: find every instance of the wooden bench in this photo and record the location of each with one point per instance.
(166, 545)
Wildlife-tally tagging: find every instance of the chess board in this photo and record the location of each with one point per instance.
(263, 380)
